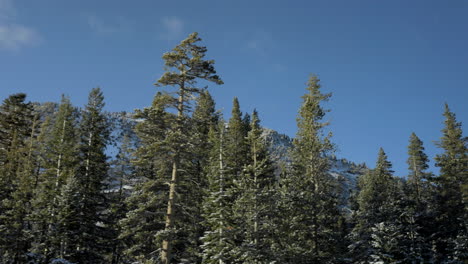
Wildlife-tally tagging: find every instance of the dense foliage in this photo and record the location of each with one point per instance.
(188, 186)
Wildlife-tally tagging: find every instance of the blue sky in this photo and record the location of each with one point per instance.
(390, 65)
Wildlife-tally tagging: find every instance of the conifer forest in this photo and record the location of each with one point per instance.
(187, 185)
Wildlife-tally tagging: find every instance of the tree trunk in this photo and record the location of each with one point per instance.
(256, 186)
(170, 215)
(166, 245)
(221, 187)
(416, 180)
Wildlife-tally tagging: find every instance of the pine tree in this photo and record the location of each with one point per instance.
(417, 165)
(236, 141)
(310, 201)
(247, 121)
(17, 216)
(16, 118)
(83, 201)
(375, 235)
(204, 118)
(18, 126)
(145, 216)
(122, 176)
(254, 207)
(416, 217)
(228, 156)
(236, 157)
(59, 164)
(218, 240)
(452, 192)
(186, 65)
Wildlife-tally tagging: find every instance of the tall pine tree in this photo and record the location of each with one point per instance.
(417, 218)
(229, 154)
(236, 141)
(16, 117)
(417, 165)
(254, 207)
(310, 195)
(185, 66)
(375, 234)
(59, 164)
(121, 180)
(452, 234)
(218, 240)
(17, 134)
(82, 201)
(146, 216)
(204, 118)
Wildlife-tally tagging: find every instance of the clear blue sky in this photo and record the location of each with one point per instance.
(390, 65)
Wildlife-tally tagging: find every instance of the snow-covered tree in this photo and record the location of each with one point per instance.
(254, 207)
(218, 240)
(185, 65)
(145, 216)
(59, 154)
(82, 200)
(375, 235)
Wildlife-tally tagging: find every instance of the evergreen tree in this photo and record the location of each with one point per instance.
(16, 117)
(228, 156)
(204, 118)
(247, 121)
(254, 208)
(417, 220)
(417, 165)
(83, 202)
(236, 157)
(310, 201)
(236, 141)
(17, 134)
(186, 65)
(452, 193)
(19, 208)
(122, 176)
(375, 235)
(59, 164)
(145, 217)
(218, 240)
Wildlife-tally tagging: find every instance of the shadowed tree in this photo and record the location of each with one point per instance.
(18, 125)
(376, 236)
(452, 235)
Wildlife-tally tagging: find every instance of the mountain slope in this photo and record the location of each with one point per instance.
(280, 146)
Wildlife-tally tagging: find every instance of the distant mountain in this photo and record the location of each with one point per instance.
(280, 146)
